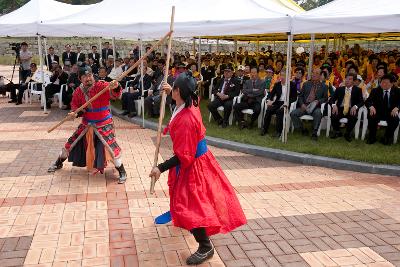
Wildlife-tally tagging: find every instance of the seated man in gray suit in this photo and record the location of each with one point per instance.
(253, 93)
(312, 95)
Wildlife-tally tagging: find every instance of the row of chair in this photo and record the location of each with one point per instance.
(362, 118)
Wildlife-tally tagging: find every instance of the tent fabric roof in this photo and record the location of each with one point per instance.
(286, 4)
(344, 16)
(25, 21)
(193, 18)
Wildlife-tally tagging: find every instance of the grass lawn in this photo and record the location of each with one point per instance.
(356, 150)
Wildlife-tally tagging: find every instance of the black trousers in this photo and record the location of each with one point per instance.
(351, 120)
(21, 91)
(201, 237)
(392, 122)
(275, 109)
(254, 105)
(67, 96)
(51, 89)
(128, 101)
(152, 105)
(214, 105)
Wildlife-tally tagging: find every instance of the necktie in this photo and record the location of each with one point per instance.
(386, 99)
(225, 86)
(311, 96)
(254, 84)
(346, 102)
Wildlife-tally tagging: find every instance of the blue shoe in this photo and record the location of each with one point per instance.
(163, 218)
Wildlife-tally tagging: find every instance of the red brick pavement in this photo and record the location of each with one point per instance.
(297, 215)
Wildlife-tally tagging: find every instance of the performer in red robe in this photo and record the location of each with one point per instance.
(93, 144)
(202, 200)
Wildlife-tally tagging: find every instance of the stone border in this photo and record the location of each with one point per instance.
(283, 155)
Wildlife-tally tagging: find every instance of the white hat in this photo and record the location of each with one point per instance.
(241, 67)
(359, 78)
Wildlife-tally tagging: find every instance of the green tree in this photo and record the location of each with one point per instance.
(7, 6)
(311, 4)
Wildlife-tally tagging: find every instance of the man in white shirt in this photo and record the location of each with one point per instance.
(117, 70)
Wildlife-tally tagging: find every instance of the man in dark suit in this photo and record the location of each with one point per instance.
(106, 52)
(68, 55)
(253, 93)
(346, 102)
(313, 93)
(94, 55)
(275, 103)
(241, 77)
(80, 56)
(135, 91)
(208, 72)
(58, 78)
(51, 57)
(225, 91)
(383, 104)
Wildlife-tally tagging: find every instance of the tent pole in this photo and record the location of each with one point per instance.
(45, 53)
(334, 43)
(311, 57)
(288, 73)
(43, 96)
(236, 52)
(274, 48)
(258, 47)
(100, 52)
(326, 46)
(141, 80)
(199, 57)
(194, 47)
(114, 50)
(217, 44)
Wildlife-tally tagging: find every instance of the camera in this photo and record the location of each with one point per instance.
(16, 47)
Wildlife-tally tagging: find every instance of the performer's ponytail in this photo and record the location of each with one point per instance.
(187, 86)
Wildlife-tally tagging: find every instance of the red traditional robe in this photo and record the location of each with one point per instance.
(93, 143)
(200, 194)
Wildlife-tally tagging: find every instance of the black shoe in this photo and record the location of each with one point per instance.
(242, 125)
(348, 138)
(198, 258)
(124, 113)
(263, 132)
(56, 165)
(132, 114)
(12, 101)
(224, 124)
(336, 135)
(314, 137)
(386, 141)
(122, 174)
(18, 103)
(277, 135)
(220, 122)
(371, 141)
(305, 132)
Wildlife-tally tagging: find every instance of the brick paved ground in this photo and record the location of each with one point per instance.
(297, 215)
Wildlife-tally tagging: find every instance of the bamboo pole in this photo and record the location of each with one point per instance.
(163, 100)
(123, 75)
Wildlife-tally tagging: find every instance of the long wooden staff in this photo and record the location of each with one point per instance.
(123, 75)
(163, 100)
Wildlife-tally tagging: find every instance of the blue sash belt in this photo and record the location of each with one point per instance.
(93, 110)
(101, 120)
(201, 150)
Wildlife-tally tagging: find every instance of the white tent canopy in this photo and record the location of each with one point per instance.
(150, 19)
(344, 16)
(25, 21)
